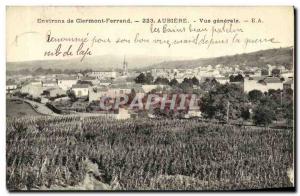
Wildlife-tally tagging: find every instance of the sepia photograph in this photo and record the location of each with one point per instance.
(150, 98)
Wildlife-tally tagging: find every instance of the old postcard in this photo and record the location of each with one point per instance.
(150, 98)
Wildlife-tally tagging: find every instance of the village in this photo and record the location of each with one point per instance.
(80, 93)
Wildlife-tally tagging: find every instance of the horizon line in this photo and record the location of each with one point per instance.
(150, 55)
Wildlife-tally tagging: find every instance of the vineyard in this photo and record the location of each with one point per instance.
(54, 153)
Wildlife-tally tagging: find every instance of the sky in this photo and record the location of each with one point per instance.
(26, 38)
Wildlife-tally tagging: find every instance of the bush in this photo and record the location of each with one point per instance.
(263, 115)
(255, 95)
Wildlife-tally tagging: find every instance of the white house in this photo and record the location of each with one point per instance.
(34, 90)
(270, 68)
(54, 91)
(35, 82)
(222, 80)
(263, 84)
(66, 82)
(164, 73)
(103, 74)
(273, 83)
(113, 91)
(10, 86)
(49, 83)
(105, 82)
(149, 87)
(81, 90)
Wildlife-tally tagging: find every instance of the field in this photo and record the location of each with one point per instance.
(16, 108)
(59, 153)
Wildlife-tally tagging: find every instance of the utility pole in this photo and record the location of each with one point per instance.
(281, 98)
(228, 104)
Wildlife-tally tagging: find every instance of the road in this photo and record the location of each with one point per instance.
(39, 107)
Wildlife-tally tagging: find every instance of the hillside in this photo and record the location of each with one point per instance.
(101, 63)
(278, 56)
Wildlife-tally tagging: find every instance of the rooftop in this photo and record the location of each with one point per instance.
(52, 89)
(49, 82)
(125, 86)
(272, 80)
(87, 78)
(80, 86)
(66, 77)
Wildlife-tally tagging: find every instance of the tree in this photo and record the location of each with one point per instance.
(160, 80)
(186, 84)
(268, 102)
(289, 113)
(209, 84)
(215, 103)
(255, 95)
(140, 78)
(85, 71)
(188, 81)
(264, 72)
(149, 78)
(173, 82)
(245, 114)
(144, 79)
(263, 115)
(37, 99)
(289, 92)
(237, 78)
(195, 81)
(276, 72)
(71, 95)
(275, 96)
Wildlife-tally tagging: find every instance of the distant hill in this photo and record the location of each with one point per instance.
(278, 56)
(101, 63)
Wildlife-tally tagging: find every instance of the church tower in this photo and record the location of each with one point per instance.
(125, 67)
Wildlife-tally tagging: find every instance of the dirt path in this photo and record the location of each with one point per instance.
(38, 107)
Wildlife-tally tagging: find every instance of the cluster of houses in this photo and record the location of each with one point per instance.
(266, 83)
(82, 86)
(254, 77)
(92, 85)
(218, 71)
(96, 84)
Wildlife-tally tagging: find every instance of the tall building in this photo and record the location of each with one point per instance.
(125, 67)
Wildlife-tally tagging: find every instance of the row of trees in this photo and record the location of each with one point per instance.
(230, 102)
